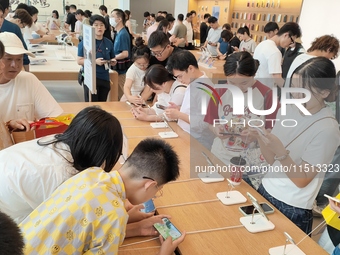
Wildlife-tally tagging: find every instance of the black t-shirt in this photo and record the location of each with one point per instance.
(235, 42)
(107, 32)
(71, 20)
(154, 60)
(204, 29)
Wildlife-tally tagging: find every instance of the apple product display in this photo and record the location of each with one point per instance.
(249, 209)
(167, 229)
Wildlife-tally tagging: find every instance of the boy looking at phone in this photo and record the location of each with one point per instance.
(86, 214)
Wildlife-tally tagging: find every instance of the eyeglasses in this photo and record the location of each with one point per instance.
(291, 38)
(180, 76)
(159, 54)
(159, 192)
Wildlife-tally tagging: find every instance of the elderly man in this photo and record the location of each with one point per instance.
(22, 95)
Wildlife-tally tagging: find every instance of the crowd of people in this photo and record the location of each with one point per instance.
(47, 185)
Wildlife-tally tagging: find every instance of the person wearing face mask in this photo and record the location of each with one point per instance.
(122, 47)
(104, 57)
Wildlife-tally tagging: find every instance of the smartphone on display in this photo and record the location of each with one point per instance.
(149, 206)
(167, 229)
(248, 209)
(332, 198)
(159, 106)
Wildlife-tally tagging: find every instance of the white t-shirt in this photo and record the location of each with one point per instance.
(28, 31)
(315, 146)
(190, 32)
(78, 28)
(197, 127)
(29, 174)
(299, 60)
(26, 97)
(136, 75)
(175, 96)
(213, 36)
(249, 46)
(270, 59)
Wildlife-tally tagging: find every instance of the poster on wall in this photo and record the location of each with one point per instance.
(89, 58)
(216, 12)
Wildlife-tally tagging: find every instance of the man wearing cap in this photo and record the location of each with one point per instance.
(22, 95)
(8, 26)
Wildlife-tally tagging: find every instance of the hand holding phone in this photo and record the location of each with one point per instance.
(162, 107)
(336, 200)
(167, 229)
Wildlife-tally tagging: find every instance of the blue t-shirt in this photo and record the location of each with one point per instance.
(104, 49)
(223, 46)
(122, 42)
(8, 26)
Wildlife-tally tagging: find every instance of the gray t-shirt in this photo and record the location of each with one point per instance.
(180, 32)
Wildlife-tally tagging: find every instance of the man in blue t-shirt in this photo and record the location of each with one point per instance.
(15, 29)
(121, 47)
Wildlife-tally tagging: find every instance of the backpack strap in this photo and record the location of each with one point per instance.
(179, 86)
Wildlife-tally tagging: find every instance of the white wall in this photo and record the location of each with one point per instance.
(181, 6)
(319, 18)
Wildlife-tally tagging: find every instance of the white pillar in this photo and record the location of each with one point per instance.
(124, 4)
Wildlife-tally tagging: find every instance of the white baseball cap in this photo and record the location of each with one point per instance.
(13, 44)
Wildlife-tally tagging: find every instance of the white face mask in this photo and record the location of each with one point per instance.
(113, 22)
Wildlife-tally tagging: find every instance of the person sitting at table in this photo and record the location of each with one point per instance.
(22, 95)
(160, 47)
(104, 57)
(53, 22)
(135, 90)
(41, 34)
(183, 65)
(240, 69)
(300, 151)
(168, 91)
(86, 214)
(32, 170)
(21, 18)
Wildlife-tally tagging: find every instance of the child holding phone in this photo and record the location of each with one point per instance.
(168, 91)
(135, 90)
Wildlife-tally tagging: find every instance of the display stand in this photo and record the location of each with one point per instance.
(231, 197)
(158, 125)
(206, 60)
(210, 176)
(256, 222)
(168, 134)
(287, 248)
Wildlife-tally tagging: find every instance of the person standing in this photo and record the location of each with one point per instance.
(180, 33)
(71, 18)
(122, 47)
(103, 12)
(190, 32)
(214, 35)
(204, 29)
(104, 55)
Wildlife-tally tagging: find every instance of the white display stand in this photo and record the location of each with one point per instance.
(206, 60)
(231, 197)
(256, 223)
(168, 134)
(291, 249)
(211, 177)
(89, 44)
(158, 125)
